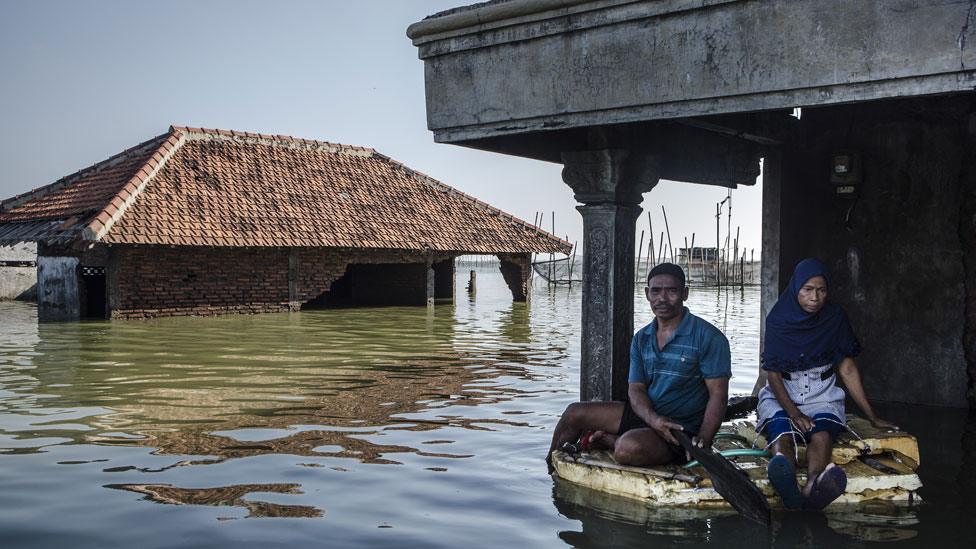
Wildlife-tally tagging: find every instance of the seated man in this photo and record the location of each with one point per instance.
(680, 367)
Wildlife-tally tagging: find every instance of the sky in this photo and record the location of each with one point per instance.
(81, 81)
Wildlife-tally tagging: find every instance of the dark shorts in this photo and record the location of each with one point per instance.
(630, 420)
(780, 423)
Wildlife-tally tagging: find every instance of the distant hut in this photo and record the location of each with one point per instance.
(204, 222)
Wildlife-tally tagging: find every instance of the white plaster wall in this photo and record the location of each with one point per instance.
(18, 282)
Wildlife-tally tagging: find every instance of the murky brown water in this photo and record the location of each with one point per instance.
(364, 427)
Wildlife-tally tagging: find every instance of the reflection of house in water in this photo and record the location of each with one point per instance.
(203, 222)
(226, 496)
(313, 385)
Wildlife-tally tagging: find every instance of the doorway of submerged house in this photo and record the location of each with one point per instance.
(388, 284)
(92, 292)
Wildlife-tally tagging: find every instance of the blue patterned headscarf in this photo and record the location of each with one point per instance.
(797, 340)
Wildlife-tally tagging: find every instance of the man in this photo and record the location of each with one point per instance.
(680, 367)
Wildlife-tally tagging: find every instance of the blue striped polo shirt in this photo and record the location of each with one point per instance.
(675, 375)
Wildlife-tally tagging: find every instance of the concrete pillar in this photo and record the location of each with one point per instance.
(58, 298)
(112, 271)
(967, 240)
(431, 283)
(444, 280)
(770, 261)
(294, 304)
(610, 184)
(516, 270)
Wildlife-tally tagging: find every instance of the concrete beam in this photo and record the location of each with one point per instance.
(544, 65)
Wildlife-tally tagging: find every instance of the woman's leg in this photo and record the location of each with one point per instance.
(818, 456)
(784, 445)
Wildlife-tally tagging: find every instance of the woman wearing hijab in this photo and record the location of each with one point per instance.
(809, 343)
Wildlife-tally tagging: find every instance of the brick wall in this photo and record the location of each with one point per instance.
(152, 281)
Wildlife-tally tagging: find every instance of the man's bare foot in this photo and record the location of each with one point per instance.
(602, 440)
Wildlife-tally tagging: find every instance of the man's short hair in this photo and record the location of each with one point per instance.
(667, 269)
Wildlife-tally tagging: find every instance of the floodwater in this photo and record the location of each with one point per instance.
(386, 427)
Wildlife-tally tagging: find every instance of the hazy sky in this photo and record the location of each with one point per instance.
(83, 80)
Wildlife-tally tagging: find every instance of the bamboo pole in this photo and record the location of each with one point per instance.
(552, 255)
(650, 251)
(640, 248)
(736, 254)
(650, 232)
(742, 272)
(571, 264)
(693, 257)
(660, 249)
(668, 229)
(687, 257)
(718, 241)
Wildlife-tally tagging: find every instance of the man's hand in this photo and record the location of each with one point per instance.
(879, 423)
(663, 427)
(700, 442)
(802, 422)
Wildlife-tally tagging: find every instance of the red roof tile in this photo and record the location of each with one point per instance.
(226, 188)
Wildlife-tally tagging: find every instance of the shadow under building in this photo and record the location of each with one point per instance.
(204, 222)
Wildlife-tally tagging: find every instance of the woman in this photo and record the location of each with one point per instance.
(809, 343)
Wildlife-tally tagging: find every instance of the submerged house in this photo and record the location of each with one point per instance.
(202, 222)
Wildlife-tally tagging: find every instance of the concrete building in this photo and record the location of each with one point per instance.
(202, 222)
(875, 175)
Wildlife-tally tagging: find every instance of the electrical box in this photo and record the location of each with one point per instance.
(845, 172)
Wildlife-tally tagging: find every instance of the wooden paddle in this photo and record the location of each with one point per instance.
(730, 482)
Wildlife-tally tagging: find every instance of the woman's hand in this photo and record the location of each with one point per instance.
(879, 423)
(802, 422)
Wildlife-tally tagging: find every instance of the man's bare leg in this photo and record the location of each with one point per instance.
(642, 448)
(580, 417)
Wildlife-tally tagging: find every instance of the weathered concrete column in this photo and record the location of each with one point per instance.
(430, 287)
(57, 289)
(769, 259)
(609, 183)
(293, 302)
(516, 270)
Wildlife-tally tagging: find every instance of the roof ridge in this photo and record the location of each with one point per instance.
(126, 196)
(269, 139)
(515, 220)
(67, 180)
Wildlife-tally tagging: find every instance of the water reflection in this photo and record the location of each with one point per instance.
(195, 387)
(610, 521)
(227, 496)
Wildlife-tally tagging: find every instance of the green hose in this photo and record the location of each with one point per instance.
(734, 452)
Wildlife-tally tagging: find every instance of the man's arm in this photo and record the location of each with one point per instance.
(718, 399)
(637, 394)
(852, 380)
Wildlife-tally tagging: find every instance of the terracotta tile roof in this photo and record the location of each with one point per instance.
(203, 187)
